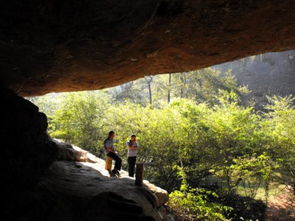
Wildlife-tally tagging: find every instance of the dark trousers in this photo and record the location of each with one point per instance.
(117, 159)
(131, 165)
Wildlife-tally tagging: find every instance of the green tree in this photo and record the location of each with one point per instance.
(279, 131)
(196, 203)
(80, 119)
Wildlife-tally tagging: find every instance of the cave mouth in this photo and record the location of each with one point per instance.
(61, 46)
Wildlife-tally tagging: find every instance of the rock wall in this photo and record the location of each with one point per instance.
(26, 150)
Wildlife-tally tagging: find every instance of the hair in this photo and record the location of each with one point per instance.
(111, 133)
(133, 135)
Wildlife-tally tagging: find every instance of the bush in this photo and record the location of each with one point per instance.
(196, 203)
(245, 207)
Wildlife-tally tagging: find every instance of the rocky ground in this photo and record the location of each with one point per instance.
(77, 187)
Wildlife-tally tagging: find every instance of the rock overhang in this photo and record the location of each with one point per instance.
(55, 46)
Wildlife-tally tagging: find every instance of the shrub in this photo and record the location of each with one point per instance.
(244, 208)
(196, 203)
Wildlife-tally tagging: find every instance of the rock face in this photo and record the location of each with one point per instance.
(45, 179)
(26, 150)
(52, 45)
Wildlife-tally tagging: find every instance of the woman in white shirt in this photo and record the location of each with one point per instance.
(131, 154)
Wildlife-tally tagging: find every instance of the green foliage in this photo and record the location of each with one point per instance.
(196, 203)
(78, 120)
(279, 131)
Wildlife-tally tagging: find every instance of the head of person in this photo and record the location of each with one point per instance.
(111, 135)
(133, 138)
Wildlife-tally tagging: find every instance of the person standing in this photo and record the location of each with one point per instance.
(131, 154)
(111, 152)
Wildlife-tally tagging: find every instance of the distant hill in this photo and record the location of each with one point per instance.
(266, 74)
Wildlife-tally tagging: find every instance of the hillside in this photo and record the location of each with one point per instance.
(266, 74)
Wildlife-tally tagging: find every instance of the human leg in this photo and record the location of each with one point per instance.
(118, 160)
(131, 166)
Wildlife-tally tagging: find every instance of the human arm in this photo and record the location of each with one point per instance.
(109, 146)
(132, 146)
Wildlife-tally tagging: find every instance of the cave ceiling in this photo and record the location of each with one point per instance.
(54, 46)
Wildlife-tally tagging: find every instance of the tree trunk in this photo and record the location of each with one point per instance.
(150, 94)
(169, 89)
(149, 80)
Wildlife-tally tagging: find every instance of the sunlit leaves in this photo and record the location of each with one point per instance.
(196, 203)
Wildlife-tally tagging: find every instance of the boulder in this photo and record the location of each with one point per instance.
(88, 193)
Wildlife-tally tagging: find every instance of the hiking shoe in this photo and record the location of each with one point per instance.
(116, 172)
